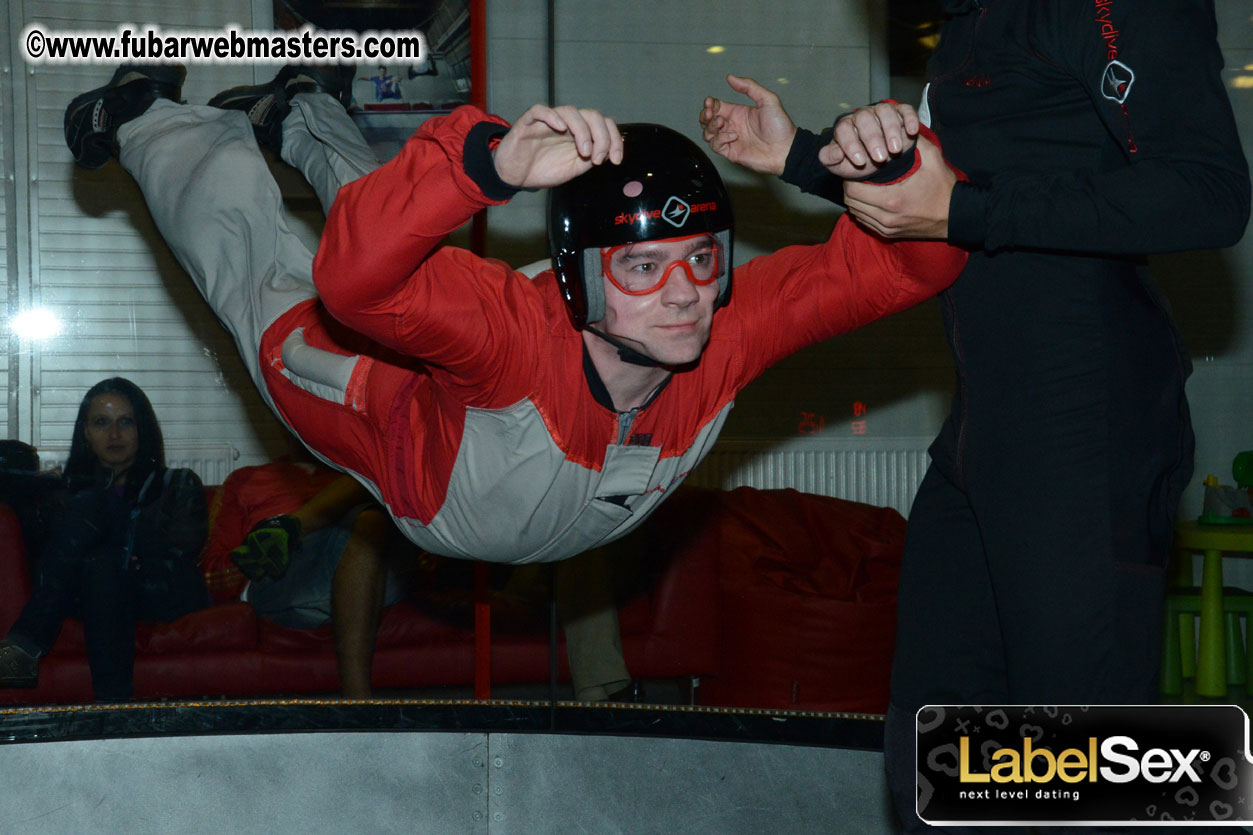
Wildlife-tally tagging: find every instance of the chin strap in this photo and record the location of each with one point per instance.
(625, 352)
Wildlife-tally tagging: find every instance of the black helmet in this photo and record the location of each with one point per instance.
(664, 187)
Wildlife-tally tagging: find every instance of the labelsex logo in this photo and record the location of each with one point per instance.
(1039, 765)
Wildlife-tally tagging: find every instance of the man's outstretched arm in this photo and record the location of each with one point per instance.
(811, 293)
(378, 268)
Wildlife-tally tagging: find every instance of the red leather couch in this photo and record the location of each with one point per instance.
(773, 598)
(669, 631)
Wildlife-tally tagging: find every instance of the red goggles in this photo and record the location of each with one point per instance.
(646, 275)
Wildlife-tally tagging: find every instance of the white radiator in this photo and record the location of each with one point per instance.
(886, 473)
(212, 462)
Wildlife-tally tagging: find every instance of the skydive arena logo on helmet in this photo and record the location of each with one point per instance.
(1020, 765)
(675, 212)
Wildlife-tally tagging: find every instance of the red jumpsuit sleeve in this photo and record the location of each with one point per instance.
(804, 294)
(477, 325)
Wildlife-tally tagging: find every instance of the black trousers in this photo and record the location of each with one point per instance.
(85, 571)
(1040, 592)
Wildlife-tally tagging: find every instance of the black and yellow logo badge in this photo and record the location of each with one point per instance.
(1044, 764)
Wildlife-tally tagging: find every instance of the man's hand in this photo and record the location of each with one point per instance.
(916, 207)
(757, 136)
(868, 137)
(549, 146)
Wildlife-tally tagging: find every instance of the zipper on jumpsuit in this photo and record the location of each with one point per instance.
(625, 419)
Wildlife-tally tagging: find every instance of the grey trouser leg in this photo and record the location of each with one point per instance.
(213, 200)
(588, 612)
(321, 140)
(589, 617)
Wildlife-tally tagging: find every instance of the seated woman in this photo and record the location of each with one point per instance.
(125, 549)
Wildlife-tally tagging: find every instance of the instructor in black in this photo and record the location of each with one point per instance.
(1094, 132)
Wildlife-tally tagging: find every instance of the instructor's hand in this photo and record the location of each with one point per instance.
(868, 137)
(548, 146)
(916, 207)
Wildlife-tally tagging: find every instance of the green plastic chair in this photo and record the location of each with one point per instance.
(1221, 659)
(1183, 606)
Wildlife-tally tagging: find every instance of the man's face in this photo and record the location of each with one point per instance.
(669, 323)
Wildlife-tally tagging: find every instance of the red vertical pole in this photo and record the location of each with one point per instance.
(478, 245)
(478, 98)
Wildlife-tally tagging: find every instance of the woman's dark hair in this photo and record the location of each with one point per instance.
(81, 464)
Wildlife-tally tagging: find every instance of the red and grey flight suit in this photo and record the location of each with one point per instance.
(453, 387)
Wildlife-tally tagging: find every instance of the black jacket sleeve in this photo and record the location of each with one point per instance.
(1152, 70)
(176, 524)
(803, 170)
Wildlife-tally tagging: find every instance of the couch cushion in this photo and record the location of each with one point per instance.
(14, 571)
(808, 586)
(216, 629)
(400, 625)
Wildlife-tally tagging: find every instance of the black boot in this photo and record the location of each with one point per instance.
(92, 119)
(632, 691)
(18, 668)
(268, 104)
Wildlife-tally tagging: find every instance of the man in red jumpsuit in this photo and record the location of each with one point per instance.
(495, 417)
